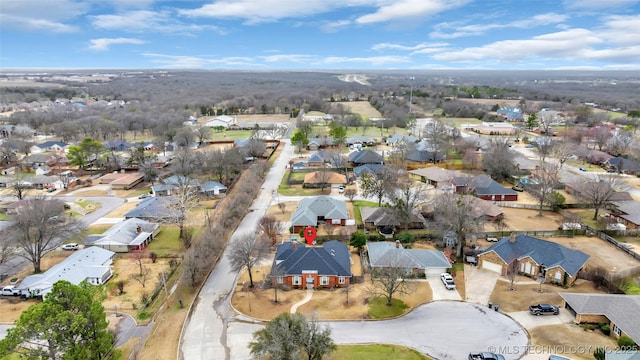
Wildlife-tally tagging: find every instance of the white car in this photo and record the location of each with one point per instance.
(448, 282)
(10, 290)
(492, 239)
(70, 246)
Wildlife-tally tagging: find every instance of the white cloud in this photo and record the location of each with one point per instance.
(598, 4)
(31, 15)
(334, 26)
(480, 29)
(621, 29)
(195, 62)
(403, 9)
(105, 43)
(296, 58)
(418, 47)
(146, 21)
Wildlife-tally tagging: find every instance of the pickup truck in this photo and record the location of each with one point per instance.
(544, 309)
(485, 356)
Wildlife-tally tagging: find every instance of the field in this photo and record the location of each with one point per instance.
(363, 108)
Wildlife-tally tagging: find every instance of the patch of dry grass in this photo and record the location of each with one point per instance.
(576, 342)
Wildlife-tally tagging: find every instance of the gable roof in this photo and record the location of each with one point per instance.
(124, 233)
(369, 168)
(309, 208)
(423, 156)
(358, 139)
(541, 251)
(630, 210)
(407, 139)
(212, 185)
(385, 254)
(153, 208)
(331, 259)
(625, 164)
(379, 216)
(48, 144)
(366, 157)
(622, 310)
(82, 264)
(483, 185)
(321, 156)
(434, 173)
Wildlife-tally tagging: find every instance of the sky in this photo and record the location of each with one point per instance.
(320, 34)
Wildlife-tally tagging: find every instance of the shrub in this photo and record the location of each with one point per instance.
(153, 257)
(605, 329)
(599, 353)
(406, 238)
(626, 343)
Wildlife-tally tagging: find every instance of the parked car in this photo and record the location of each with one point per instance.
(448, 282)
(517, 188)
(70, 246)
(544, 309)
(144, 196)
(485, 356)
(341, 189)
(492, 239)
(50, 190)
(10, 290)
(582, 169)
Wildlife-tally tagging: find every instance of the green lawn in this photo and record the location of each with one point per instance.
(460, 121)
(88, 205)
(375, 352)
(167, 242)
(373, 132)
(230, 135)
(630, 287)
(378, 308)
(297, 190)
(4, 216)
(356, 209)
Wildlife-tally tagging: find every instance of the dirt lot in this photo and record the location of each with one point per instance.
(570, 340)
(602, 253)
(528, 220)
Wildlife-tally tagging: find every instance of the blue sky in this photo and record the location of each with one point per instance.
(320, 34)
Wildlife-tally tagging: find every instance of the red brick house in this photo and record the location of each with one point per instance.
(302, 267)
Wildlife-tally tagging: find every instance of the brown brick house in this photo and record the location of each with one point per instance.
(303, 267)
(535, 257)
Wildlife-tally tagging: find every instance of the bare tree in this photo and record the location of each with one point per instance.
(390, 280)
(5, 248)
(283, 207)
(246, 252)
(601, 136)
(20, 184)
(498, 160)
(39, 226)
(407, 197)
(512, 271)
(458, 213)
(437, 134)
(378, 184)
(142, 276)
(599, 192)
(621, 142)
(546, 177)
(203, 133)
(184, 137)
(350, 193)
(544, 145)
(271, 227)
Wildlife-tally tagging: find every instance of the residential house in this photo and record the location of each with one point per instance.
(50, 146)
(535, 257)
(173, 184)
(145, 145)
(385, 254)
(371, 169)
(221, 120)
(129, 235)
(312, 211)
(320, 143)
(620, 312)
(362, 140)
(485, 188)
(213, 188)
(384, 218)
(397, 139)
(597, 157)
(322, 157)
(92, 264)
(155, 209)
(622, 165)
(311, 267)
(35, 161)
(117, 145)
(433, 175)
(122, 181)
(511, 113)
(590, 188)
(324, 178)
(365, 157)
(627, 212)
(424, 152)
(42, 182)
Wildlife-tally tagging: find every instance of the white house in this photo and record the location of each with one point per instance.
(222, 120)
(129, 235)
(91, 264)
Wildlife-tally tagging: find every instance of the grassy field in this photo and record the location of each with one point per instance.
(297, 190)
(378, 308)
(363, 108)
(230, 135)
(375, 352)
(167, 243)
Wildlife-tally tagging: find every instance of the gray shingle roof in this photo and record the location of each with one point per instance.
(369, 168)
(124, 233)
(385, 254)
(310, 208)
(366, 157)
(541, 251)
(622, 310)
(630, 210)
(330, 259)
(153, 208)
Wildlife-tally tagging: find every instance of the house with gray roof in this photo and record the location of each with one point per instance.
(384, 217)
(425, 156)
(534, 257)
(365, 157)
(312, 211)
(627, 211)
(433, 175)
(364, 140)
(92, 264)
(320, 142)
(621, 312)
(385, 254)
(129, 235)
(322, 157)
(397, 139)
(213, 188)
(485, 188)
(311, 267)
(371, 169)
(154, 209)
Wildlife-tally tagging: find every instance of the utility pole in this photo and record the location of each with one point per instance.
(411, 79)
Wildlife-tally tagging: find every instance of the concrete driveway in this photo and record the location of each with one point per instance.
(439, 292)
(440, 329)
(530, 321)
(479, 284)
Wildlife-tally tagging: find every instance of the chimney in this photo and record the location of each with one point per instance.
(397, 244)
(139, 229)
(512, 238)
(294, 245)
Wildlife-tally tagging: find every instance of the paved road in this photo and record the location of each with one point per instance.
(205, 332)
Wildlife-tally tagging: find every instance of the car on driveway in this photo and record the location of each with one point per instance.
(70, 246)
(582, 169)
(448, 282)
(10, 290)
(544, 309)
(144, 196)
(341, 189)
(492, 239)
(517, 188)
